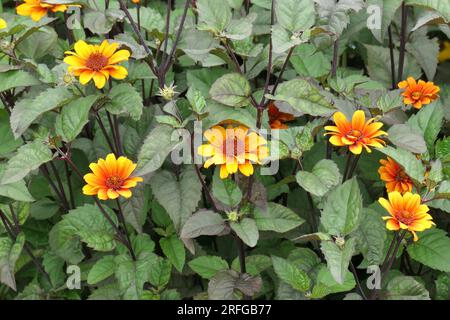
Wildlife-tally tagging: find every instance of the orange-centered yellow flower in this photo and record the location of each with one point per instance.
(111, 178)
(355, 134)
(277, 118)
(395, 177)
(233, 148)
(418, 94)
(406, 212)
(37, 9)
(97, 62)
(3, 24)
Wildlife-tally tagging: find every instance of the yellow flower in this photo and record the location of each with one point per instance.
(406, 213)
(111, 178)
(136, 1)
(97, 62)
(418, 94)
(233, 148)
(355, 134)
(444, 54)
(37, 9)
(3, 24)
(395, 177)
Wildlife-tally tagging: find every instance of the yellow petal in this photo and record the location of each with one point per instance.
(119, 56)
(100, 80)
(83, 49)
(246, 169)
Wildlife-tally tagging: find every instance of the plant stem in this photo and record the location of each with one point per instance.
(358, 283)
(117, 133)
(335, 58)
(401, 59)
(60, 185)
(124, 226)
(46, 174)
(69, 183)
(353, 167)
(391, 55)
(347, 166)
(105, 133)
(166, 33)
(113, 131)
(9, 229)
(151, 61)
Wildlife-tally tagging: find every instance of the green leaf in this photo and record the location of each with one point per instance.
(426, 52)
(155, 149)
(101, 22)
(124, 99)
(213, 15)
(27, 158)
(92, 227)
(64, 242)
(54, 266)
(289, 273)
(325, 284)
(173, 248)
(27, 110)
(160, 271)
(208, 266)
(44, 209)
(226, 190)
(131, 275)
(295, 15)
(342, 210)
(73, 117)
(338, 258)
(204, 222)
(406, 137)
(336, 13)
(9, 253)
(151, 19)
(413, 167)
(179, 196)
(310, 62)
(429, 121)
(17, 191)
(135, 208)
(388, 9)
(39, 43)
(255, 264)
(379, 66)
(16, 78)
(406, 288)
(231, 89)
(247, 231)
(276, 217)
(303, 97)
(371, 235)
(7, 141)
(324, 176)
(101, 270)
(442, 149)
(442, 7)
(432, 249)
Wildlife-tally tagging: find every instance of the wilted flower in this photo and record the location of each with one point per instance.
(355, 134)
(418, 94)
(395, 176)
(406, 212)
(278, 118)
(233, 148)
(37, 9)
(97, 62)
(111, 178)
(167, 92)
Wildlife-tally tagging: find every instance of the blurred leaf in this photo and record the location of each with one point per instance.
(324, 176)
(231, 89)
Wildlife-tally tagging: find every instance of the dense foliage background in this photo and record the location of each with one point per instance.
(313, 230)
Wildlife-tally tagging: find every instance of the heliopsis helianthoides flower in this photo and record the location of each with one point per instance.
(37, 9)
(136, 1)
(357, 133)
(3, 24)
(418, 93)
(233, 148)
(395, 177)
(406, 213)
(97, 62)
(277, 118)
(111, 178)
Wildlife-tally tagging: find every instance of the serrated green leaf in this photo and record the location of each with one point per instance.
(247, 231)
(101, 270)
(324, 176)
(174, 250)
(276, 217)
(208, 266)
(290, 274)
(231, 89)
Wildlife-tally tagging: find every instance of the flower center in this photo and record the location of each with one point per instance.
(96, 61)
(405, 217)
(417, 95)
(114, 182)
(233, 147)
(354, 135)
